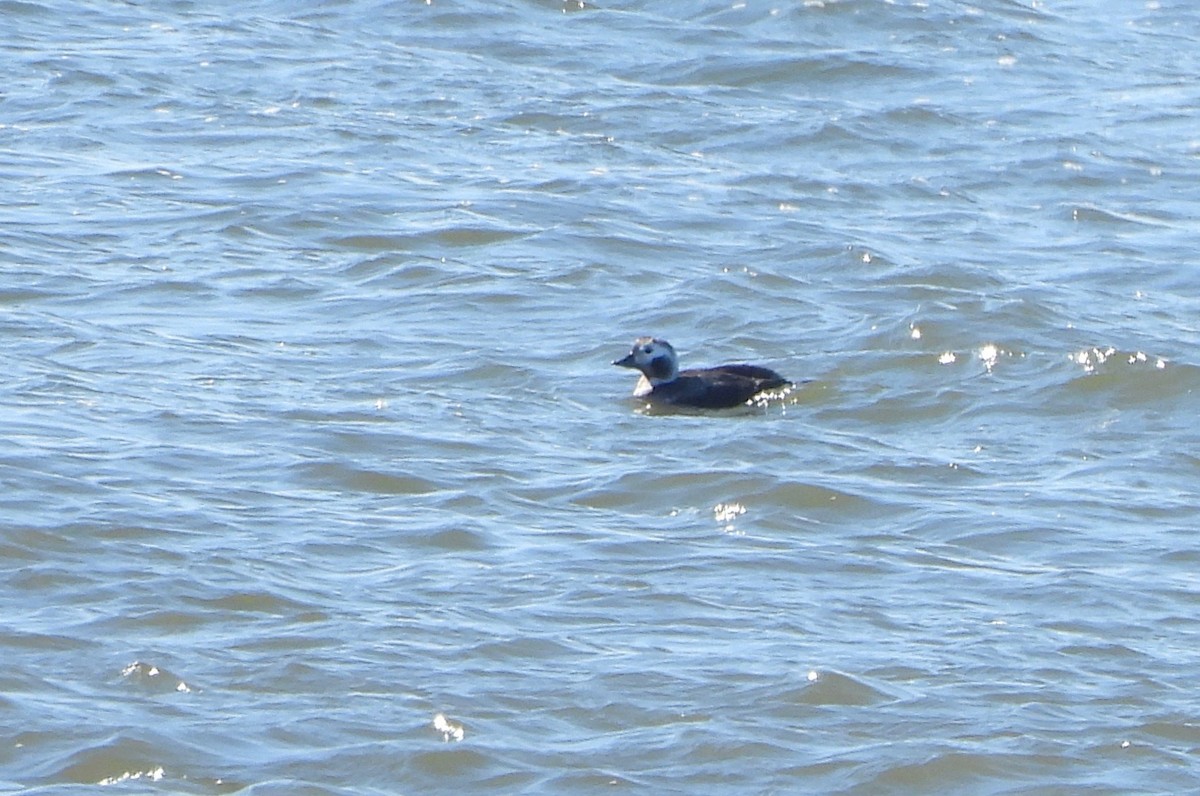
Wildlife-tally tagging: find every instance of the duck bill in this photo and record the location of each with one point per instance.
(627, 362)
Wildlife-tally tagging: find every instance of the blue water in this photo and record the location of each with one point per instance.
(312, 437)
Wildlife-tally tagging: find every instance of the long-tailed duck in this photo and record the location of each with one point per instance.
(721, 387)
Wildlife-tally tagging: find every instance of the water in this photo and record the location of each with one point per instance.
(311, 435)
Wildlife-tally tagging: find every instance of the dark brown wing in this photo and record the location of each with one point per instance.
(718, 388)
(767, 379)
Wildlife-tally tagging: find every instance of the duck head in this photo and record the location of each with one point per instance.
(654, 358)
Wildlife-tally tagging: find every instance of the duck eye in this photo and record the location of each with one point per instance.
(647, 349)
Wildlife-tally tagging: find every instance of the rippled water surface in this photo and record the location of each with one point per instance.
(316, 476)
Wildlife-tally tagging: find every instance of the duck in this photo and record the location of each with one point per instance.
(722, 387)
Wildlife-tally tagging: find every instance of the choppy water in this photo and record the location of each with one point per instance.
(310, 433)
